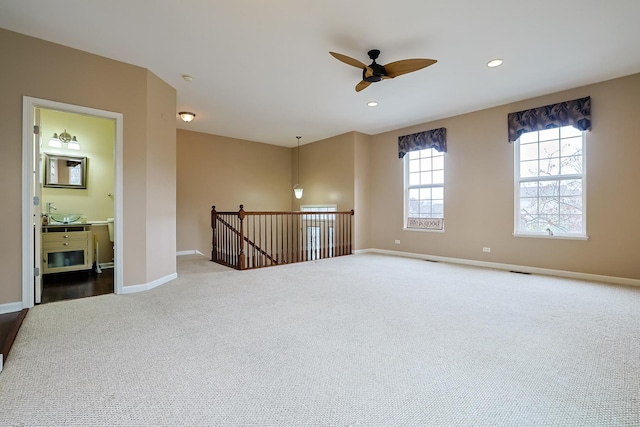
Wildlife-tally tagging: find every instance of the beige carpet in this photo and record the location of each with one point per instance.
(364, 340)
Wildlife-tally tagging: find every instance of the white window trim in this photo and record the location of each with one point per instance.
(313, 207)
(516, 199)
(422, 230)
(405, 189)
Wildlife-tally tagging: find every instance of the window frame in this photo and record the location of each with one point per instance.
(408, 187)
(518, 180)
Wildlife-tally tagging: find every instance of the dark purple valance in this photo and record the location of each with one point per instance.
(434, 138)
(576, 113)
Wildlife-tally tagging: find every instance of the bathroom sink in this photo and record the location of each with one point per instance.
(65, 218)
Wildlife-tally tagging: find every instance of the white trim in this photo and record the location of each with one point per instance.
(422, 230)
(29, 104)
(148, 286)
(407, 187)
(554, 236)
(512, 267)
(27, 203)
(191, 252)
(11, 307)
(364, 251)
(304, 208)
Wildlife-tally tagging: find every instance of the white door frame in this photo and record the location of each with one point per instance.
(29, 105)
(37, 192)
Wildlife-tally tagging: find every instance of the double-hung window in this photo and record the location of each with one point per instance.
(424, 189)
(550, 183)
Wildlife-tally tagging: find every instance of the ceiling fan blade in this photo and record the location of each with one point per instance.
(395, 69)
(348, 60)
(363, 84)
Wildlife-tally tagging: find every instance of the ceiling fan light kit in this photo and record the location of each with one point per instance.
(375, 72)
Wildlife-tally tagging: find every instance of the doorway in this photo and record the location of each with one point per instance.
(71, 265)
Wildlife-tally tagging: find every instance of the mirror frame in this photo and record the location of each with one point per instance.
(48, 157)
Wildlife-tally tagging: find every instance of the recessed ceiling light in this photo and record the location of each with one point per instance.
(494, 63)
(187, 78)
(372, 104)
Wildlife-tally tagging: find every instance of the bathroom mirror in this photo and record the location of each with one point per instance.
(62, 171)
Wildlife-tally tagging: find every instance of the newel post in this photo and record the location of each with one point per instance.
(241, 259)
(351, 233)
(214, 247)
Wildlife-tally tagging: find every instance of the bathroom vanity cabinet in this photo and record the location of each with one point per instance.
(66, 247)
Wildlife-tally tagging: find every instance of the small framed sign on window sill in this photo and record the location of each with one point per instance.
(426, 223)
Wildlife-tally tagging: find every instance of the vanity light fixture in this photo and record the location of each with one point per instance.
(297, 189)
(55, 141)
(186, 116)
(71, 141)
(494, 63)
(73, 144)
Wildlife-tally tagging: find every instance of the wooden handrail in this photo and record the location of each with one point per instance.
(245, 240)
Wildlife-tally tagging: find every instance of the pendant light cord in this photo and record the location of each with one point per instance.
(298, 158)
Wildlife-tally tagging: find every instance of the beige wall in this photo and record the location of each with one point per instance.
(160, 179)
(45, 70)
(479, 189)
(97, 137)
(226, 172)
(326, 172)
(362, 191)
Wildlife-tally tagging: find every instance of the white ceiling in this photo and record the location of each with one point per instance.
(262, 70)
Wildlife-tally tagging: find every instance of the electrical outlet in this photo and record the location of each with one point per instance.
(397, 242)
(485, 249)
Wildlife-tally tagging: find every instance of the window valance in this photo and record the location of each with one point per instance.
(434, 138)
(576, 113)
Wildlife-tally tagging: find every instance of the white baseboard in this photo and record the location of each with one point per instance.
(191, 252)
(148, 286)
(12, 307)
(510, 267)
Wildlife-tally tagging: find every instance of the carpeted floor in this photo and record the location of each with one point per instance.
(364, 340)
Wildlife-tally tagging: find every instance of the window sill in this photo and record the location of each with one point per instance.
(557, 237)
(422, 230)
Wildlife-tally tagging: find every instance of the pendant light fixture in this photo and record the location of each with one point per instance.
(297, 189)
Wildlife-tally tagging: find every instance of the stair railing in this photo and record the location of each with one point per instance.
(245, 240)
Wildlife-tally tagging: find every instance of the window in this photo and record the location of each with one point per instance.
(424, 189)
(319, 230)
(550, 183)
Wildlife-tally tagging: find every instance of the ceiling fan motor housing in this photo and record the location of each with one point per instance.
(378, 72)
(377, 69)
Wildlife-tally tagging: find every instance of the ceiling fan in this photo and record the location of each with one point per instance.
(375, 72)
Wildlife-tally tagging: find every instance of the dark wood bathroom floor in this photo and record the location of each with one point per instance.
(9, 326)
(77, 284)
